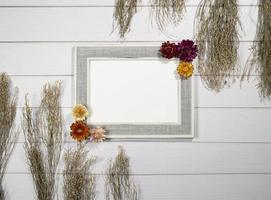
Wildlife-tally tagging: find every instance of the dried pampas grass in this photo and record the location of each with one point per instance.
(43, 140)
(123, 15)
(218, 42)
(119, 183)
(260, 61)
(8, 134)
(79, 184)
(167, 12)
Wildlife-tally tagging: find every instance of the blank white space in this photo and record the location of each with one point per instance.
(133, 91)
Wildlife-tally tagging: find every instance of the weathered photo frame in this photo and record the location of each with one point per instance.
(183, 129)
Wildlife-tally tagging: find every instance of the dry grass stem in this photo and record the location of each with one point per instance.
(218, 41)
(43, 132)
(167, 12)
(79, 184)
(119, 183)
(259, 61)
(123, 15)
(8, 134)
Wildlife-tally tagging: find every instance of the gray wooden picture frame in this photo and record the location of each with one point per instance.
(134, 131)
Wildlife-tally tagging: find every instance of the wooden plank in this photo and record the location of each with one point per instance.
(36, 59)
(91, 3)
(77, 24)
(205, 187)
(232, 125)
(32, 86)
(156, 158)
(240, 94)
(222, 187)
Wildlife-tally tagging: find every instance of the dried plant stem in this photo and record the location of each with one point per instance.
(2, 193)
(43, 140)
(123, 15)
(8, 134)
(259, 61)
(79, 184)
(119, 184)
(167, 12)
(218, 42)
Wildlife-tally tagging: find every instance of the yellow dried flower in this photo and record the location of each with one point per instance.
(98, 134)
(185, 69)
(79, 112)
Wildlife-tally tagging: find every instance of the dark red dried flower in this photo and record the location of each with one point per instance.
(187, 50)
(168, 50)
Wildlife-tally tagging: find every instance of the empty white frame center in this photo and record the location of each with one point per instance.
(133, 90)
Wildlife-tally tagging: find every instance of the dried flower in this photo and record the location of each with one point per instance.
(168, 50)
(167, 12)
(8, 132)
(79, 130)
(259, 62)
(43, 132)
(79, 112)
(187, 50)
(123, 15)
(218, 41)
(119, 184)
(98, 134)
(185, 69)
(78, 180)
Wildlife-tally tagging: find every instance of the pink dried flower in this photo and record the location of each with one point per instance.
(98, 134)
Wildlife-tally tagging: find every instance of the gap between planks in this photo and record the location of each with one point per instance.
(101, 6)
(72, 75)
(181, 141)
(161, 174)
(96, 42)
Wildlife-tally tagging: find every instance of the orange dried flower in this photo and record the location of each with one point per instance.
(185, 69)
(79, 131)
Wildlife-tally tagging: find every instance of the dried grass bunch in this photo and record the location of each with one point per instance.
(167, 12)
(123, 15)
(43, 132)
(8, 134)
(79, 184)
(218, 42)
(260, 61)
(119, 184)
